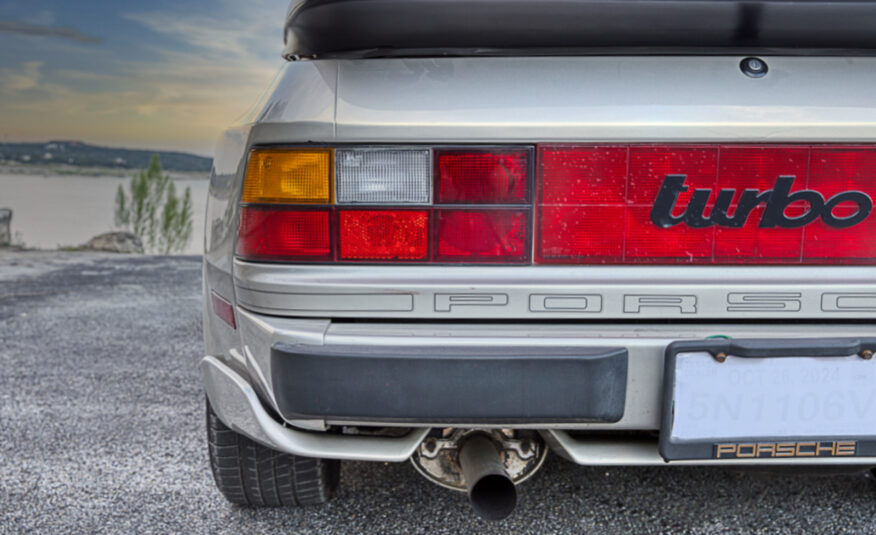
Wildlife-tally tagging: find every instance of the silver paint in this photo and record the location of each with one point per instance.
(641, 452)
(646, 345)
(531, 100)
(237, 405)
(542, 292)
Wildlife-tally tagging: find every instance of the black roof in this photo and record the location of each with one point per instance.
(408, 28)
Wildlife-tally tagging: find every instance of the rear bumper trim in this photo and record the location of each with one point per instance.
(645, 343)
(567, 293)
(474, 384)
(639, 452)
(238, 406)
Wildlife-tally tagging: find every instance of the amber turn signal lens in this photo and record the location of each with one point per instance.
(289, 176)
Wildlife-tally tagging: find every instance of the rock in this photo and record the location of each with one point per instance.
(5, 227)
(115, 242)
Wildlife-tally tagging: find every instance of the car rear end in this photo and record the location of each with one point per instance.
(465, 246)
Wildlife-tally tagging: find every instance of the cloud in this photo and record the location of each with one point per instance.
(27, 77)
(199, 71)
(42, 30)
(228, 57)
(231, 27)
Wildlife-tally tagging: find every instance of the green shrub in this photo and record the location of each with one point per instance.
(153, 212)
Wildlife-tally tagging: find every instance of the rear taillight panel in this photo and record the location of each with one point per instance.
(482, 236)
(383, 235)
(561, 204)
(392, 176)
(498, 176)
(281, 233)
(403, 205)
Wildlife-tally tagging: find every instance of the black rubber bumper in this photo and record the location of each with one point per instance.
(449, 384)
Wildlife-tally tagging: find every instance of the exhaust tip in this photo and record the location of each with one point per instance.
(491, 492)
(493, 497)
(487, 464)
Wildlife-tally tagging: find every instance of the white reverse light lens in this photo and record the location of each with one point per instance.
(383, 176)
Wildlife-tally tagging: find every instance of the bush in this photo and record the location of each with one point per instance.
(153, 211)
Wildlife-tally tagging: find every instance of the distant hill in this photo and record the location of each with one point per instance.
(82, 154)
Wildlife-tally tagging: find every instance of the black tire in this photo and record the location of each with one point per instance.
(250, 474)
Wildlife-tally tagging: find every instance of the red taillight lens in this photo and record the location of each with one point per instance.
(485, 177)
(482, 236)
(583, 175)
(269, 234)
(646, 242)
(705, 204)
(579, 232)
(383, 234)
(831, 245)
(609, 204)
(832, 171)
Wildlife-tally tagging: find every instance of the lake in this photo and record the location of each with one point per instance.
(68, 210)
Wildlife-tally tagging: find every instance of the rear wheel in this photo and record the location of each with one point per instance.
(248, 473)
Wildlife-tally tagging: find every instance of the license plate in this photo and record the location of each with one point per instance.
(728, 400)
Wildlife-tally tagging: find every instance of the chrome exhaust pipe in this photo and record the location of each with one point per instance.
(491, 492)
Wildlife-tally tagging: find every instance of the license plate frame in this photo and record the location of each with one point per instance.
(761, 446)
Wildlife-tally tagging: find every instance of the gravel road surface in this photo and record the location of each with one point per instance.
(102, 426)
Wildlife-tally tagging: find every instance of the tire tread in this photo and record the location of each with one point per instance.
(249, 474)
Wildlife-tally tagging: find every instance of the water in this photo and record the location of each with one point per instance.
(58, 211)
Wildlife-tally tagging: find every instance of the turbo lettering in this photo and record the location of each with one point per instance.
(775, 201)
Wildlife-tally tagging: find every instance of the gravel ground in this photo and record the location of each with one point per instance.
(102, 430)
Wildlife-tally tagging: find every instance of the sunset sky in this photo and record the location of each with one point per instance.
(157, 74)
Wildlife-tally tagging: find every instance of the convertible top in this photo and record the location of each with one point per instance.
(431, 28)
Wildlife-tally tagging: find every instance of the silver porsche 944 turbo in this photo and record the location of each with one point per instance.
(467, 234)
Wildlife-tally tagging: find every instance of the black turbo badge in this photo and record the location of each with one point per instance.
(775, 200)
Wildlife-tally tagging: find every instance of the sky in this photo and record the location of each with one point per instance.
(155, 74)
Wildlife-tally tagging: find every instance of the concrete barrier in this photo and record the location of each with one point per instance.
(5, 227)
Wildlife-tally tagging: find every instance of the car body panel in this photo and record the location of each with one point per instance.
(646, 345)
(551, 292)
(580, 99)
(530, 101)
